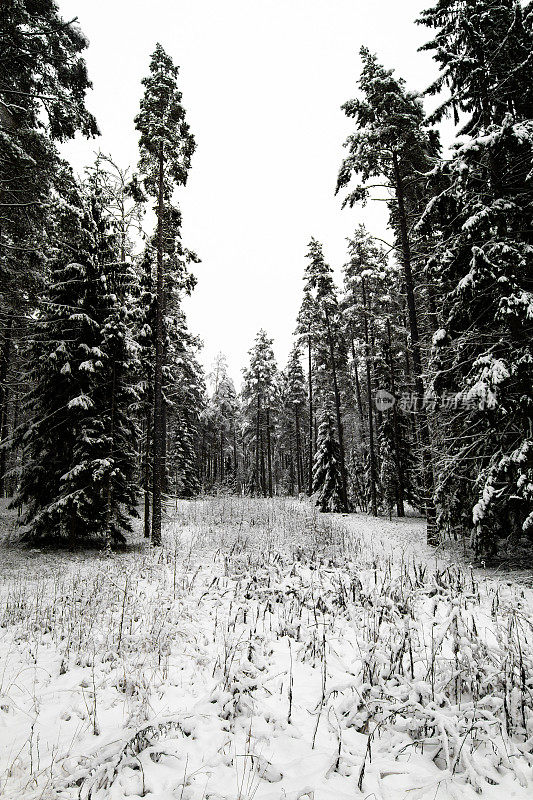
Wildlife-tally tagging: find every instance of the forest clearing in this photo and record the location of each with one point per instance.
(264, 651)
(266, 400)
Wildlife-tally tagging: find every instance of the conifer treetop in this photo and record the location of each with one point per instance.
(389, 120)
(484, 51)
(161, 122)
(44, 77)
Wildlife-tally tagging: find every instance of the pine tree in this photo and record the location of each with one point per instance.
(483, 263)
(394, 141)
(327, 476)
(166, 146)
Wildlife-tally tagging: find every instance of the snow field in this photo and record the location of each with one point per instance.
(268, 652)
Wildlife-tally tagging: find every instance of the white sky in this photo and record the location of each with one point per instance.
(262, 82)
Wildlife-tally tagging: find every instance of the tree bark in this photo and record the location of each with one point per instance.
(311, 434)
(258, 444)
(109, 493)
(235, 464)
(340, 431)
(358, 392)
(400, 509)
(147, 475)
(427, 465)
(371, 450)
(158, 372)
(269, 451)
(298, 450)
(5, 355)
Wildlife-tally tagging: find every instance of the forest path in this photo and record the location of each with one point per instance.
(265, 652)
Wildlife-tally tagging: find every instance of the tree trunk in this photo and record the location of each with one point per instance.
(311, 434)
(263, 469)
(147, 475)
(400, 509)
(158, 372)
(299, 475)
(109, 493)
(371, 450)
(340, 431)
(164, 452)
(235, 465)
(427, 465)
(4, 395)
(269, 451)
(358, 392)
(258, 444)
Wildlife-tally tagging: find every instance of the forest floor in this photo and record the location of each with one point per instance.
(265, 652)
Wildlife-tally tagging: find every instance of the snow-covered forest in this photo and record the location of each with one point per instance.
(315, 584)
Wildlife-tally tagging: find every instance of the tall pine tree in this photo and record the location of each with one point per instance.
(166, 146)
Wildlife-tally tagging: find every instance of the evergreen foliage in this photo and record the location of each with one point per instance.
(166, 145)
(327, 475)
(483, 264)
(79, 460)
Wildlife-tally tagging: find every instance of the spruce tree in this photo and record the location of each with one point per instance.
(42, 100)
(77, 479)
(320, 287)
(166, 146)
(484, 352)
(327, 475)
(184, 395)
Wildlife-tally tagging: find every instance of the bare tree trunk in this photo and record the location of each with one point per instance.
(427, 465)
(371, 450)
(158, 372)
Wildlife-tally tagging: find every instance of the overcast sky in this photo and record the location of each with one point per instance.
(262, 82)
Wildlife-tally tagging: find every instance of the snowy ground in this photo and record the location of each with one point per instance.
(264, 652)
